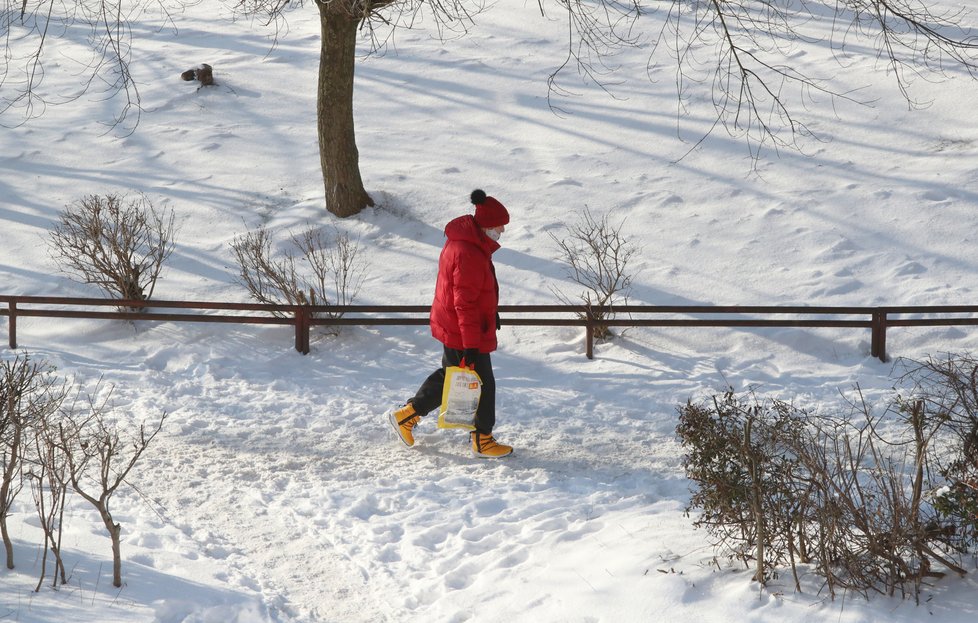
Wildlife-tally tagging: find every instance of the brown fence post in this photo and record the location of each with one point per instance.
(302, 324)
(878, 347)
(12, 325)
(589, 330)
(872, 334)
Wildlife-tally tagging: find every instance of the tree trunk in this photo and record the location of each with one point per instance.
(345, 195)
(116, 556)
(757, 510)
(8, 475)
(8, 545)
(115, 532)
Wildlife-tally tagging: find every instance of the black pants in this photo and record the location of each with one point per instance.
(428, 397)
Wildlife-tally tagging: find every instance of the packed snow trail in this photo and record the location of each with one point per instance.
(310, 499)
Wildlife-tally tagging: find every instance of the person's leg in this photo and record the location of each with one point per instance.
(428, 396)
(485, 415)
(483, 443)
(427, 399)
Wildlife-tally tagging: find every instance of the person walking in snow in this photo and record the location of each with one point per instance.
(464, 319)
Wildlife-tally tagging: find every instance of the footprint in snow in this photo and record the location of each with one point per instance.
(910, 268)
(934, 195)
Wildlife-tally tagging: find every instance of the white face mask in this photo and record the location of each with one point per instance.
(493, 233)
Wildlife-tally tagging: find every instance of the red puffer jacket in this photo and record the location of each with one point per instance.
(463, 314)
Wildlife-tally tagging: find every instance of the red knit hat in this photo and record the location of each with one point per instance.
(489, 213)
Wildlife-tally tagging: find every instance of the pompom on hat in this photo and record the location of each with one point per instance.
(489, 213)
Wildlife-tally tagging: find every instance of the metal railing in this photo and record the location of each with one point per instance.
(304, 317)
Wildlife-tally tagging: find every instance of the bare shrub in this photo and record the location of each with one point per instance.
(748, 491)
(336, 265)
(854, 494)
(99, 457)
(29, 393)
(49, 485)
(867, 510)
(333, 273)
(948, 387)
(116, 243)
(58, 448)
(596, 256)
(268, 280)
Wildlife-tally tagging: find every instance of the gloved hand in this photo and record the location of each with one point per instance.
(469, 357)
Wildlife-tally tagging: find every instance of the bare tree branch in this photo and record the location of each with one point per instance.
(117, 244)
(741, 50)
(335, 268)
(100, 457)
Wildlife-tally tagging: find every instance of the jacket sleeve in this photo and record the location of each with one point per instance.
(467, 279)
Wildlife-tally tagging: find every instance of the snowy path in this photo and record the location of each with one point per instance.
(310, 500)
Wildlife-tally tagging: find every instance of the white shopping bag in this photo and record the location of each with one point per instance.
(459, 398)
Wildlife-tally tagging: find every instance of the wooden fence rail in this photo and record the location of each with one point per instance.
(304, 317)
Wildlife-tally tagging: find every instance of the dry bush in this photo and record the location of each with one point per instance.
(60, 447)
(317, 270)
(337, 268)
(872, 503)
(30, 393)
(116, 243)
(867, 514)
(99, 451)
(50, 484)
(268, 280)
(948, 388)
(596, 256)
(748, 492)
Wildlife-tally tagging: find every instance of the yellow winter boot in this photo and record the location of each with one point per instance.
(484, 446)
(404, 420)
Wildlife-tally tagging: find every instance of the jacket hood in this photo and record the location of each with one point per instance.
(464, 228)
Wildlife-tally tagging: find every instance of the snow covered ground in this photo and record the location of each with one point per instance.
(276, 492)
